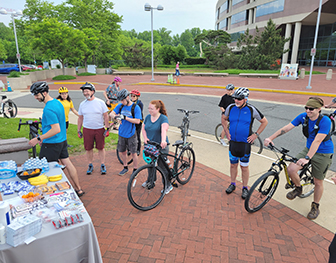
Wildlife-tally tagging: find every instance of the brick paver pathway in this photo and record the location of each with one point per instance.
(197, 222)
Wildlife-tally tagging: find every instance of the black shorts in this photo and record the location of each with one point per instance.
(54, 151)
(66, 124)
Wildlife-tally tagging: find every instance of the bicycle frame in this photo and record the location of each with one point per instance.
(280, 165)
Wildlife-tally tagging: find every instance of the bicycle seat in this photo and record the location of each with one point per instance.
(4, 97)
(178, 142)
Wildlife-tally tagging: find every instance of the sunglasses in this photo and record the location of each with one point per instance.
(309, 108)
(238, 99)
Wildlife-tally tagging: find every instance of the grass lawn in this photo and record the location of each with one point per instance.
(9, 130)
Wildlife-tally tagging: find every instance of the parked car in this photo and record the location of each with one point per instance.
(24, 68)
(7, 68)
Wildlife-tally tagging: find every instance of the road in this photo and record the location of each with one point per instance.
(277, 114)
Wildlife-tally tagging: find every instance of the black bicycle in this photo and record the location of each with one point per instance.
(33, 131)
(128, 156)
(184, 127)
(265, 186)
(147, 186)
(8, 107)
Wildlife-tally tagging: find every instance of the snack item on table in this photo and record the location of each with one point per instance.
(62, 186)
(55, 178)
(39, 180)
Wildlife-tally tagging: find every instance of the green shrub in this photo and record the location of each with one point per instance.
(14, 74)
(86, 74)
(58, 66)
(63, 77)
(195, 61)
(115, 66)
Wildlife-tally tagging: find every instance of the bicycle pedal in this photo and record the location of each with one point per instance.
(288, 186)
(174, 184)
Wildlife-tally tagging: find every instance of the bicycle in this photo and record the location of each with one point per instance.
(128, 154)
(257, 145)
(8, 107)
(265, 186)
(33, 130)
(147, 185)
(184, 127)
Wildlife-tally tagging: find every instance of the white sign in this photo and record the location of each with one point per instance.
(91, 69)
(313, 52)
(289, 71)
(54, 63)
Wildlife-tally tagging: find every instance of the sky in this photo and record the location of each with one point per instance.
(177, 16)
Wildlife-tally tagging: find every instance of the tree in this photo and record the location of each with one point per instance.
(137, 56)
(57, 40)
(187, 41)
(166, 39)
(262, 50)
(3, 52)
(181, 53)
(220, 57)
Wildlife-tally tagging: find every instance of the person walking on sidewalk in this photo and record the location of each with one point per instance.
(155, 129)
(53, 140)
(225, 101)
(129, 114)
(241, 116)
(319, 150)
(177, 69)
(135, 95)
(93, 115)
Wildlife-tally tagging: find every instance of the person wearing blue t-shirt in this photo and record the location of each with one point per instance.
(53, 141)
(319, 150)
(129, 115)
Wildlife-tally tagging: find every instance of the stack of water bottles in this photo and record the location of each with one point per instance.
(34, 163)
(8, 169)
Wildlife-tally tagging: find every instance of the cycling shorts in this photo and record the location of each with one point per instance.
(240, 151)
(54, 151)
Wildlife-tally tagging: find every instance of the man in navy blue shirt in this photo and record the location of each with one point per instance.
(319, 150)
(241, 115)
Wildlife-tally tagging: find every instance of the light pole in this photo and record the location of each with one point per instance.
(148, 7)
(314, 46)
(14, 14)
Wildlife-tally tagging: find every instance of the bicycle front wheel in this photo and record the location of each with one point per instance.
(261, 191)
(146, 187)
(306, 181)
(185, 165)
(9, 109)
(257, 146)
(128, 157)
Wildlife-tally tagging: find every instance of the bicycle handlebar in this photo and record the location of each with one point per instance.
(284, 152)
(187, 112)
(33, 125)
(158, 145)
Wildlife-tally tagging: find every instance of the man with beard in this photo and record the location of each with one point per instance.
(93, 114)
(53, 141)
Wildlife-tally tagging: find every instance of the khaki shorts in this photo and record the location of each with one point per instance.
(320, 163)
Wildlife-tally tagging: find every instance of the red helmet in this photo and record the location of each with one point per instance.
(135, 92)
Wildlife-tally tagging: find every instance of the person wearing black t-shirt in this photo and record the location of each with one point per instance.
(225, 101)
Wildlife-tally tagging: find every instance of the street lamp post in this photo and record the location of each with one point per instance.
(148, 7)
(13, 15)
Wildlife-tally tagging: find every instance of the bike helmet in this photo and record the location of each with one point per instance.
(62, 90)
(230, 87)
(241, 93)
(117, 79)
(122, 94)
(39, 87)
(89, 86)
(135, 92)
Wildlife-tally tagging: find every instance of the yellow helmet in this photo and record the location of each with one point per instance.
(62, 90)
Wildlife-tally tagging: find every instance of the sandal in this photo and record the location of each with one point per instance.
(79, 192)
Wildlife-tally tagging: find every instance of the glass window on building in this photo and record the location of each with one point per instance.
(235, 36)
(270, 8)
(239, 17)
(222, 24)
(223, 7)
(234, 2)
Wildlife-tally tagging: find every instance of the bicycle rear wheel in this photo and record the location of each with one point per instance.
(257, 146)
(9, 109)
(307, 181)
(146, 187)
(218, 132)
(261, 191)
(128, 157)
(185, 165)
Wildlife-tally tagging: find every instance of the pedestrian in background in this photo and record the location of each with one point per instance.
(53, 140)
(93, 116)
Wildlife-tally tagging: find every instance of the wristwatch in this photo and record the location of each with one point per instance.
(38, 138)
(256, 133)
(307, 158)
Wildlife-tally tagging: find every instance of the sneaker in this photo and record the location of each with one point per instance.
(144, 184)
(223, 142)
(314, 212)
(296, 192)
(90, 169)
(168, 189)
(244, 193)
(230, 189)
(123, 172)
(103, 169)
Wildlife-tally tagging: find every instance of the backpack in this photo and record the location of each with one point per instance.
(316, 127)
(132, 109)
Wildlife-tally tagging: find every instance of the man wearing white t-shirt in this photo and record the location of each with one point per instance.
(93, 114)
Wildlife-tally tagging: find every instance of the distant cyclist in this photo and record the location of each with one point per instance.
(241, 116)
(225, 101)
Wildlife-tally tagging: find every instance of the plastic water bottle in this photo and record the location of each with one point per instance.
(2, 234)
(5, 217)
